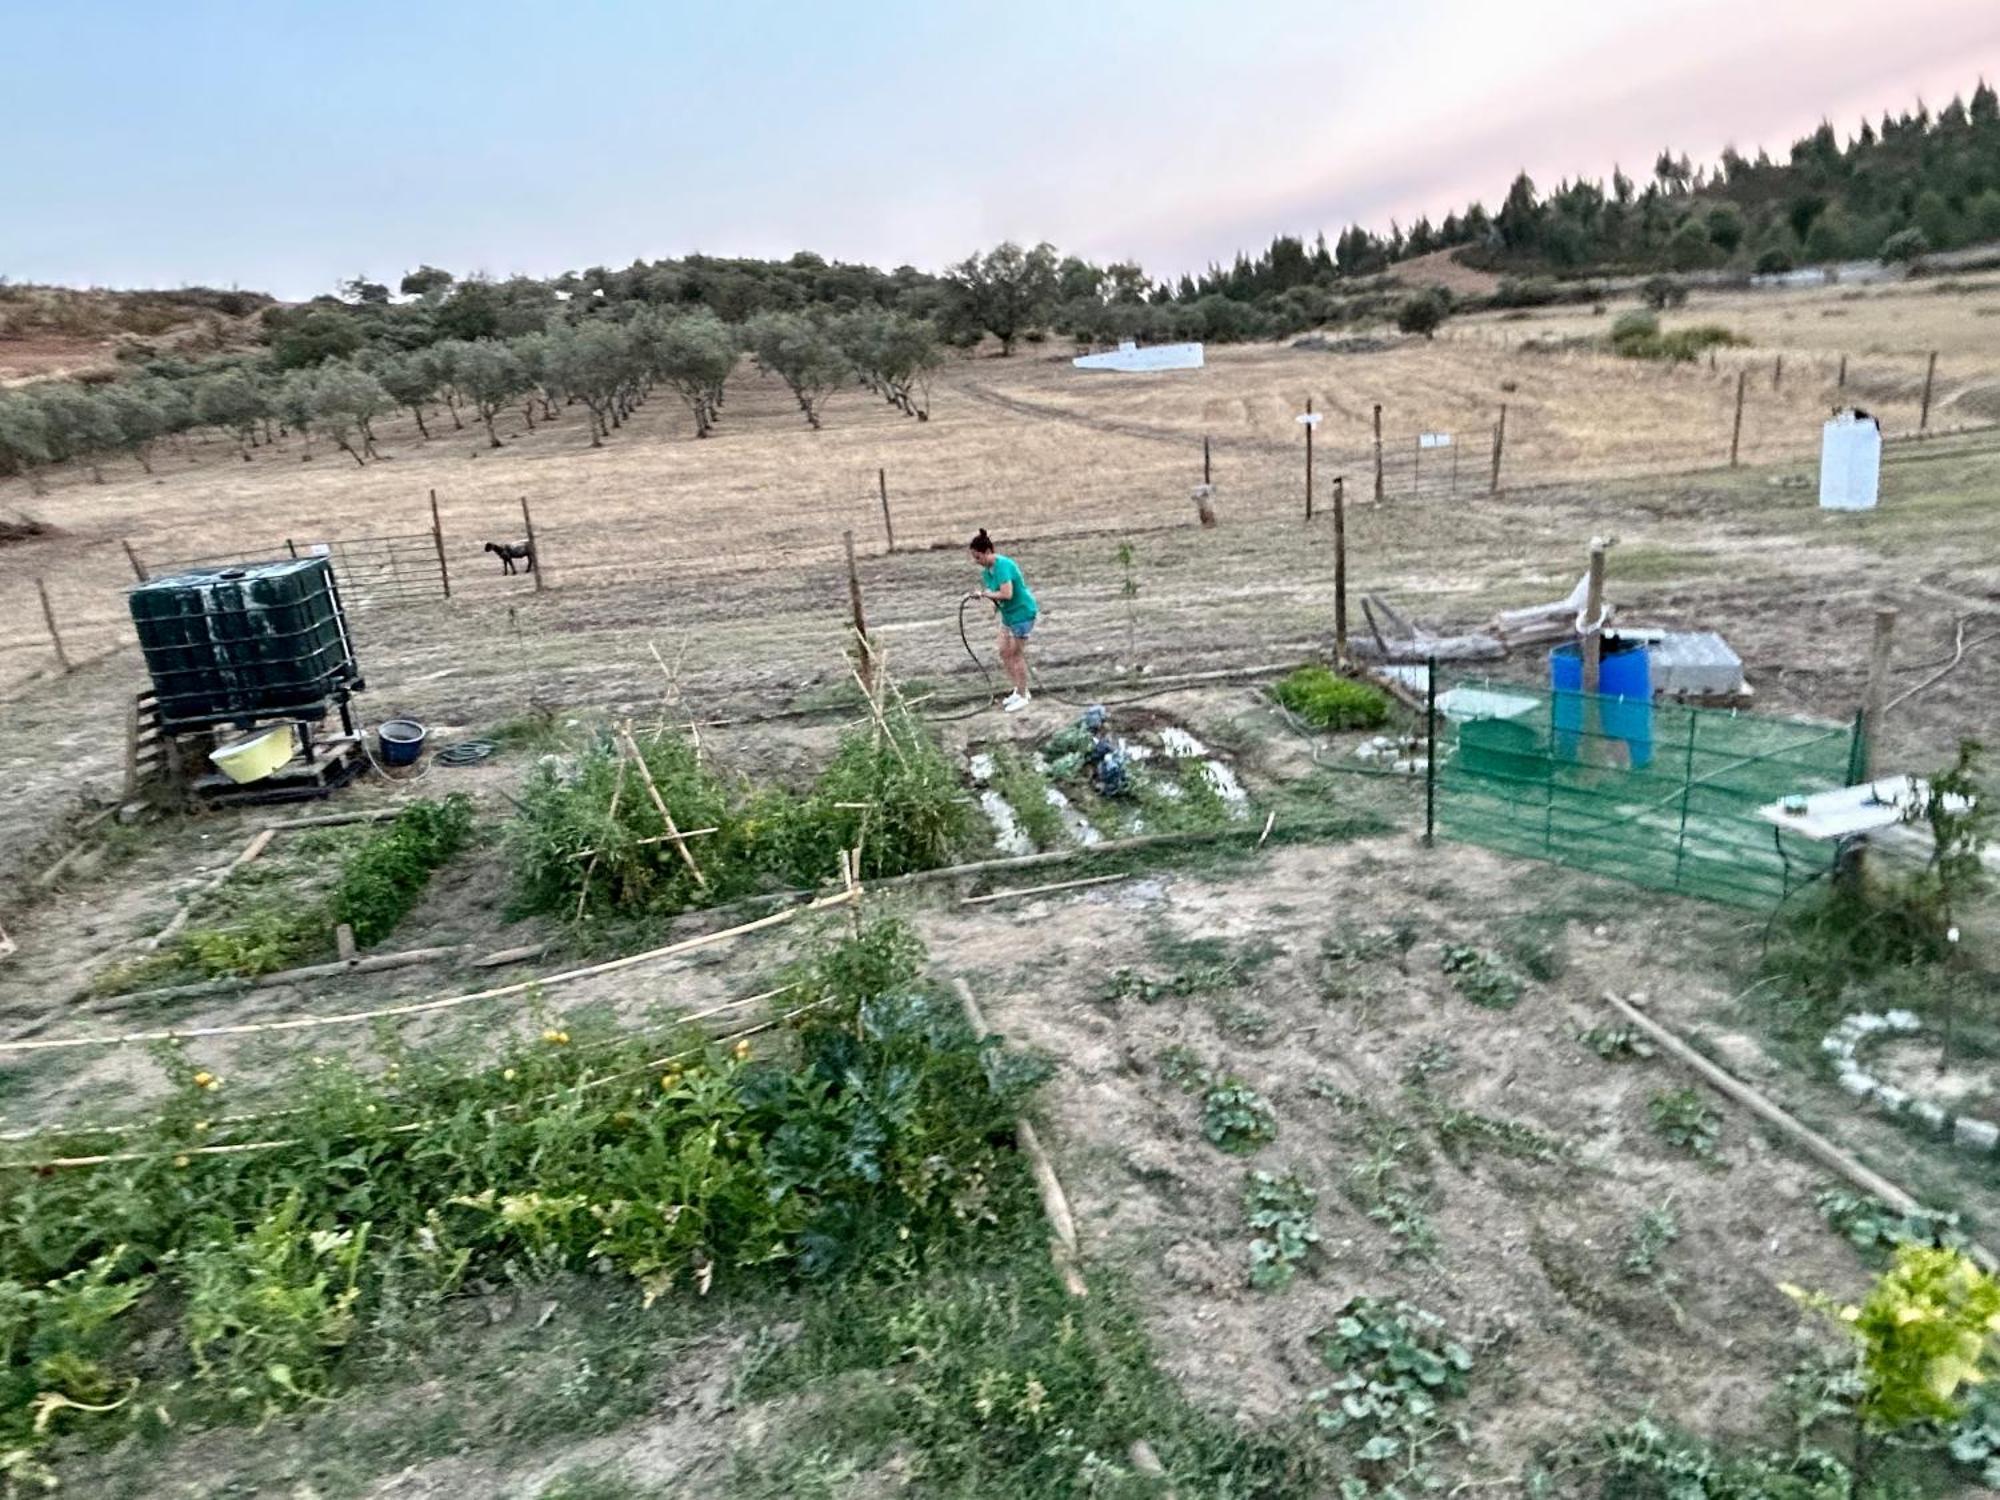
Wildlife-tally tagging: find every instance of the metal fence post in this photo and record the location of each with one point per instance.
(1430, 748)
(437, 536)
(1687, 792)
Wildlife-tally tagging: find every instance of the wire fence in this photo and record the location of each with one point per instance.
(1662, 795)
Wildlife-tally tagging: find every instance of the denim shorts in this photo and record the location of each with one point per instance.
(1019, 628)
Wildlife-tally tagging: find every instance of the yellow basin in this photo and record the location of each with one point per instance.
(255, 756)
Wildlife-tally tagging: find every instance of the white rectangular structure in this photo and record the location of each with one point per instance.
(1850, 462)
(1130, 359)
(1433, 440)
(1849, 810)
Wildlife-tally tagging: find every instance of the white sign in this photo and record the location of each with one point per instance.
(1433, 440)
(1310, 419)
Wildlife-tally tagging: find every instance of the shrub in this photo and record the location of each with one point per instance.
(1280, 1210)
(1663, 292)
(1236, 1118)
(1424, 312)
(1326, 700)
(1637, 335)
(1774, 261)
(1905, 245)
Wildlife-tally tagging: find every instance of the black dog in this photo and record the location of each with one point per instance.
(508, 551)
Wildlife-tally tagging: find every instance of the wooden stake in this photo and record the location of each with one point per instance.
(437, 536)
(860, 620)
(1206, 472)
(1340, 569)
(1499, 446)
(1930, 374)
(1042, 890)
(49, 614)
(250, 851)
(1777, 372)
(1309, 462)
(888, 523)
(660, 804)
(1841, 382)
(138, 568)
(343, 943)
(1817, 1146)
(1378, 452)
(534, 552)
(1593, 607)
(1736, 432)
(1877, 691)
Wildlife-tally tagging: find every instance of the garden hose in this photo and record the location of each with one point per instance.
(464, 753)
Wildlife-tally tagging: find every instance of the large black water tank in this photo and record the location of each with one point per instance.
(240, 644)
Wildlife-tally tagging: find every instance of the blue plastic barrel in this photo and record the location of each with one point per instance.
(402, 741)
(1625, 699)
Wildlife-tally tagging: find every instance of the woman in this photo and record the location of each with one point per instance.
(1001, 582)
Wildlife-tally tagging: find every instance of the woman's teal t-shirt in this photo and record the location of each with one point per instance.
(1005, 570)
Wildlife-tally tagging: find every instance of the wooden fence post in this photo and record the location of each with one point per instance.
(49, 614)
(860, 620)
(138, 568)
(1840, 382)
(1378, 452)
(1309, 461)
(1206, 476)
(1930, 374)
(1877, 692)
(534, 552)
(1777, 372)
(888, 523)
(437, 536)
(1339, 569)
(1736, 432)
(1499, 445)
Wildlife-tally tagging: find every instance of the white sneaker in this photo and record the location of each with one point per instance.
(1015, 703)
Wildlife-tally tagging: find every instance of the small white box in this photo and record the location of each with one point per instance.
(1850, 462)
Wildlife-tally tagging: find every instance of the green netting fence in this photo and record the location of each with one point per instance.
(1659, 794)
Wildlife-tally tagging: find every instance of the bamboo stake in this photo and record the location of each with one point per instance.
(1816, 1145)
(617, 791)
(250, 851)
(1042, 890)
(660, 803)
(658, 838)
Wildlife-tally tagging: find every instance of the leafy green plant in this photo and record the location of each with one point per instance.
(1618, 1043)
(1647, 1461)
(1324, 700)
(1279, 1210)
(1479, 978)
(1236, 1118)
(1028, 794)
(1682, 1118)
(1394, 1365)
(1463, 1132)
(1975, 1438)
(1181, 1067)
(385, 877)
(1388, 1184)
(1654, 1233)
(1874, 1227)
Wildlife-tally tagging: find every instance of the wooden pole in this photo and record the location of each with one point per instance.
(1877, 691)
(1430, 749)
(1930, 374)
(1309, 461)
(888, 523)
(1206, 473)
(660, 804)
(1378, 452)
(1339, 569)
(860, 619)
(534, 551)
(437, 536)
(1777, 372)
(1593, 606)
(1499, 445)
(1840, 382)
(138, 568)
(49, 614)
(1736, 432)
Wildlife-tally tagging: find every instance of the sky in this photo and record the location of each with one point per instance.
(286, 145)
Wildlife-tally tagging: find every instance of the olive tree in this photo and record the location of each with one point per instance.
(24, 439)
(294, 402)
(491, 377)
(590, 362)
(345, 402)
(232, 402)
(138, 418)
(694, 354)
(801, 353)
(895, 355)
(411, 380)
(81, 425)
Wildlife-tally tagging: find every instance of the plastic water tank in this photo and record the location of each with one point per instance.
(1850, 462)
(1624, 699)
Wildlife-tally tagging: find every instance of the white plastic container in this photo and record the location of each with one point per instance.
(1850, 462)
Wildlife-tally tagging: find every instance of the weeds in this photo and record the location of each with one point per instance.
(1395, 1365)
(1028, 794)
(1479, 978)
(1464, 1132)
(1651, 1237)
(1389, 1186)
(1326, 701)
(1279, 1210)
(1874, 1228)
(1682, 1118)
(1617, 1043)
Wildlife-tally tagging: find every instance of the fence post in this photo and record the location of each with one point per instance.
(1340, 570)
(1930, 374)
(1877, 690)
(1309, 461)
(1777, 372)
(534, 552)
(888, 524)
(1840, 382)
(1736, 432)
(1378, 453)
(138, 568)
(291, 546)
(1687, 791)
(860, 620)
(1206, 475)
(437, 536)
(49, 614)
(1499, 444)
(1430, 749)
